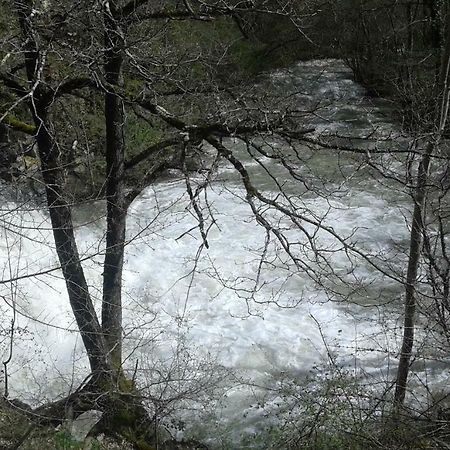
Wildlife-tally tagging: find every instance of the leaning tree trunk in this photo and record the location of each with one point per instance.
(59, 209)
(66, 248)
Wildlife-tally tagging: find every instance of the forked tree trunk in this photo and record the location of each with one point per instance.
(124, 413)
(103, 343)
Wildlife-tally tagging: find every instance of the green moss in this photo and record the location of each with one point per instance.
(19, 125)
(64, 441)
(126, 385)
(124, 418)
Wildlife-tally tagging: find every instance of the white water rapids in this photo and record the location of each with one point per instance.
(196, 315)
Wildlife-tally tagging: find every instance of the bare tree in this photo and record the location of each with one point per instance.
(418, 219)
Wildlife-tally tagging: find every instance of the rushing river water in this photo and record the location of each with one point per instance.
(195, 314)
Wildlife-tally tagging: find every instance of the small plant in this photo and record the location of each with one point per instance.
(64, 441)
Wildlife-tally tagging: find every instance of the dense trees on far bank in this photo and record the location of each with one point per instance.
(394, 49)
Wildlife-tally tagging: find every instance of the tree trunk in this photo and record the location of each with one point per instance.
(66, 248)
(411, 277)
(115, 196)
(59, 209)
(417, 228)
(432, 34)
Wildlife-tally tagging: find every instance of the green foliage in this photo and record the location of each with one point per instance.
(139, 134)
(249, 57)
(223, 50)
(64, 441)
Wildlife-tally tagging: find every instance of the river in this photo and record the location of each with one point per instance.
(216, 323)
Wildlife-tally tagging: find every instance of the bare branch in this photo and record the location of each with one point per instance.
(150, 151)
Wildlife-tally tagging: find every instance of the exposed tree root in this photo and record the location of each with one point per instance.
(124, 415)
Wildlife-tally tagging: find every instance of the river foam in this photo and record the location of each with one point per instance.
(220, 310)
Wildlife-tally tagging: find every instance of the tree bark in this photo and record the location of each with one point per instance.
(59, 209)
(66, 248)
(115, 195)
(417, 228)
(416, 238)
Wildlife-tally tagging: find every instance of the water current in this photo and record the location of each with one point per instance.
(199, 319)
